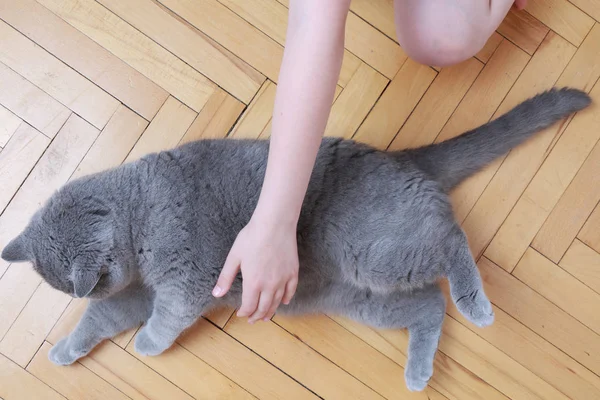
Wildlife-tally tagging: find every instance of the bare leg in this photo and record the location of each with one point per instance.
(446, 32)
(103, 319)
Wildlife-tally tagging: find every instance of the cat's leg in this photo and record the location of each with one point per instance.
(466, 287)
(103, 319)
(421, 311)
(173, 312)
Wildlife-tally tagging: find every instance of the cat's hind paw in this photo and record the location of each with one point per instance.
(476, 308)
(148, 344)
(63, 353)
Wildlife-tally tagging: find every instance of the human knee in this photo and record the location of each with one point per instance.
(439, 40)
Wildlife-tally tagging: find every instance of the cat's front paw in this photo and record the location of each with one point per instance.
(417, 378)
(148, 344)
(64, 353)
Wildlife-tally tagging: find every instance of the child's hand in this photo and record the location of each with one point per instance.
(267, 254)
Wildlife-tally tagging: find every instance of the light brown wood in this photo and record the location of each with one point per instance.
(590, 234)
(524, 30)
(139, 51)
(30, 103)
(9, 123)
(355, 102)
(583, 263)
(86, 85)
(18, 158)
(437, 105)
(74, 381)
(340, 384)
(502, 182)
(165, 131)
(395, 105)
(559, 287)
(199, 53)
(55, 78)
(215, 119)
(84, 55)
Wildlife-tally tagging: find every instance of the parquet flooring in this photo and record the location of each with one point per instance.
(88, 84)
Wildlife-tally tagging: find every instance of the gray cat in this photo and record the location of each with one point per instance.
(146, 241)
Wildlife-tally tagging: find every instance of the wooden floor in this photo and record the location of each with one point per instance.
(88, 84)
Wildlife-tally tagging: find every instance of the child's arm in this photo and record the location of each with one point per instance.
(266, 248)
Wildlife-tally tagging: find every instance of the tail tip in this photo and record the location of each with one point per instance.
(573, 99)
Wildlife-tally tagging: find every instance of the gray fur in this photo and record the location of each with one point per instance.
(146, 241)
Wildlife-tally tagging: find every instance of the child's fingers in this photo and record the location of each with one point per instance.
(274, 305)
(250, 296)
(228, 274)
(290, 290)
(264, 304)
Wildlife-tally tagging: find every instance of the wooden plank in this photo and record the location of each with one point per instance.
(523, 30)
(500, 188)
(9, 123)
(30, 103)
(226, 355)
(563, 18)
(583, 263)
(350, 353)
(232, 32)
(554, 175)
(493, 365)
(18, 158)
(487, 92)
(572, 210)
(195, 50)
(489, 48)
(561, 288)
(17, 384)
(137, 50)
(276, 350)
(114, 143)
(540, 315)
(437, 105)
(379, 13)
(396, 104)
(271, 18)
(257, 115)
(120, 369)
(590, 7)
(29, 330)
(220, 316)
(450, 378)
(74, 381)
(355, 101)
(189, 373)
(374, 48)
(55, 78)
(535, 354)
(166, 129)
(590, 233)
(84, 55)
(51, 172)
(216, 118)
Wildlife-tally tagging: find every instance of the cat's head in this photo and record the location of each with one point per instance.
(71, 244)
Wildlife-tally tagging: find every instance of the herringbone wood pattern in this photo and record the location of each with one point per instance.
(89, 84)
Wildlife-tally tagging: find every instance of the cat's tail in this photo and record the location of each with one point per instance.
(452, 161)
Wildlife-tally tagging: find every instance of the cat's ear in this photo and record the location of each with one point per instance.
(17, 250)
(84, 280)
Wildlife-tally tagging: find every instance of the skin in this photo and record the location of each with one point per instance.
(265, 251)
